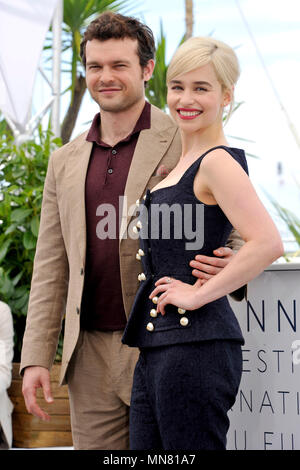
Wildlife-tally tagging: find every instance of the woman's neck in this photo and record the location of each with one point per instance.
(200, 141)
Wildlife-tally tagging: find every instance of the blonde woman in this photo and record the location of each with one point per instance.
(190, 362)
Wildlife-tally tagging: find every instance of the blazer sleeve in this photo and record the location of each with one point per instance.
(235, 242)
(49, 284)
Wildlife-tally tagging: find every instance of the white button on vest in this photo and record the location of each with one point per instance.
(155, 300)
(181, 311)
(140, 252)
(184, 321)
(150, 326)
(153, 313)
(141, 277)
(138, 257)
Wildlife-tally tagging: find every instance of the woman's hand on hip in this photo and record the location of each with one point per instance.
(175, 292)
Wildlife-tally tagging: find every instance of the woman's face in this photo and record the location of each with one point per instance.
(196, 99)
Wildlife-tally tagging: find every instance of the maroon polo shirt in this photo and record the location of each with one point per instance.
(102, 304)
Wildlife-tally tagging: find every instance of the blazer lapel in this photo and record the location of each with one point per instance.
(76, 175)
(150, 149)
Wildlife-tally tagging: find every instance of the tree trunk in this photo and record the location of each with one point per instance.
(189, 19)
(73, 110)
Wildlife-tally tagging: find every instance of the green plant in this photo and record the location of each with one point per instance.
(22, 174)
(291, 221)
(156, 90)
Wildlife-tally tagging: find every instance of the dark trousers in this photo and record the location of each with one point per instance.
(181, 395)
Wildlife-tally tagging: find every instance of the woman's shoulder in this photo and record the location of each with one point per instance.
(222, 155)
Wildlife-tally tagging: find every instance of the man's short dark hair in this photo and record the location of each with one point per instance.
(111, 25)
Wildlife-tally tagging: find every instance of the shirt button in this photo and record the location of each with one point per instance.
(110, 171)
(114, 152)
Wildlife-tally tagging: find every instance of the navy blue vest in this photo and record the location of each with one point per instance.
(174, 227)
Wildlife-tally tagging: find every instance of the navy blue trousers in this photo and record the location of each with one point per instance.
(181, 395)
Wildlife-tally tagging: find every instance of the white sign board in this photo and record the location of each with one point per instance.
(266, 414)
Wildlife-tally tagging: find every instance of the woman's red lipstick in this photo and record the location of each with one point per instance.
(188, 113)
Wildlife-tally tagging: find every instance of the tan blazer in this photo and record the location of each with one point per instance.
(59, 265)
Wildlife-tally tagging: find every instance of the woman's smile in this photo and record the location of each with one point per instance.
(185, 113)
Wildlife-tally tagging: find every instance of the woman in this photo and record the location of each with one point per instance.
(189, 368)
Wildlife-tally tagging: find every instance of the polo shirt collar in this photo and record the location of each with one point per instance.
(143, 122)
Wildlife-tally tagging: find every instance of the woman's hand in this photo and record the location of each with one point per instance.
(177, 293)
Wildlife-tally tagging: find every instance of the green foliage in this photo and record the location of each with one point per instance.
(291, 221)
(22, 174)
(156, 90)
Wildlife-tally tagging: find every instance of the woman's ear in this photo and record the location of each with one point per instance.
(228, 96)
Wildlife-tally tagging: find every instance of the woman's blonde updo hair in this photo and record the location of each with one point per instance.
(199, 51)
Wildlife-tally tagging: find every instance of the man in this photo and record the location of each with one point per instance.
(77, 269)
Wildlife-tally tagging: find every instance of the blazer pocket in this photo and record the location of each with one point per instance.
(174, 326)
(172, 320)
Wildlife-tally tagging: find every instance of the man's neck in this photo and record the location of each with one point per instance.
(115, 127)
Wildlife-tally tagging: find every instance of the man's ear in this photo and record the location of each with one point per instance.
(148, 70)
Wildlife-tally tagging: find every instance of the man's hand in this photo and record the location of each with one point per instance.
(36, 377)
(206, 267)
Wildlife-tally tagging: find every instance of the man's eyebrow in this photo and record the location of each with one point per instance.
(118, 61)
(113, 62)
(92, 62)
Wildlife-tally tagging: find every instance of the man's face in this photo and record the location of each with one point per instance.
(114, 76)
